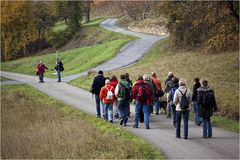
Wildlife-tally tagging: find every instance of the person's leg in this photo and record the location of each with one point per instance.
(121, 111)
(106, 105)
(178, 128)
(168, 110)
(126, 112)
(115, 109)
(59, 75)
(141, 115)
(209, 127)
(197, 118)
(146, 115)
(136, 115)
(157, 105)
(110, 112)
(41, 77)
(185, 118)
(98, 105)
(103, 109)
(174, 115)
(204, 128)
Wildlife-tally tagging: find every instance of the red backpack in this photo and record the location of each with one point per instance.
(143, 92)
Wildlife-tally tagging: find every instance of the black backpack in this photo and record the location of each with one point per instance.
(184, 104)
(208, 99)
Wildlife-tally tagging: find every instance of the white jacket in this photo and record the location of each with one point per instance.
(178, 97)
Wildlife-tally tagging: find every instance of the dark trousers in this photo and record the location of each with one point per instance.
(185, 121)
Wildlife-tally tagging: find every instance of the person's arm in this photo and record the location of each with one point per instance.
(175, 98)
(92, 90)
(101, 94)
(116, 90)
(215, 104)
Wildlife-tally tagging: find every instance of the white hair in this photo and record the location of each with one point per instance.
(107, 81)
(170, 73)
(146, 77)
(182, 82)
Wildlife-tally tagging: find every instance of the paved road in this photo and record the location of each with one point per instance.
(223, 145)
(129, 54)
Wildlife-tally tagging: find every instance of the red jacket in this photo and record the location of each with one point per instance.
(41, 68)
(103, 93)
(135, 92)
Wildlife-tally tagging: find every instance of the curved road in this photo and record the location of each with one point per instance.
(129, 54)
(223, 145)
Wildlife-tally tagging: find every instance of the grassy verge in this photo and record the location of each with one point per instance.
(220, 69)
(76, 60)
(4, 79)
(35, 126)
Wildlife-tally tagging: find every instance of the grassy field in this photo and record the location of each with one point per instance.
(220, 69)
(34, 126)
(107, 44)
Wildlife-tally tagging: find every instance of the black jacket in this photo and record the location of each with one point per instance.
(98, 83)
(205, 112)
(195, 87)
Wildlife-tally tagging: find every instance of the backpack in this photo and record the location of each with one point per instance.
(184, 104)
(208, 99)
(143, 92)
(61, 66)
(125, 91)
(109, 94)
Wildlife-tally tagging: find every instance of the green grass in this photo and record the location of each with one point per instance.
(107, 44)
(59, 27)
(221, 69)
(34, 125)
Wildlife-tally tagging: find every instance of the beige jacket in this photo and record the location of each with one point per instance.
(178, 96)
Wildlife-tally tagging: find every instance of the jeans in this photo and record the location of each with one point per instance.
(168, 109)
(108, 114)
(145, 109)
(97, 99)
(157, 105)
(196, 112)
(41, 75)
(59, 75)
(123, 110)
(150, 109)
(185, 121)
(115, 107)
(174, 115)
(207, 127)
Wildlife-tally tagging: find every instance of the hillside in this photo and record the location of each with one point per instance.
(97, 45)
(219, 68)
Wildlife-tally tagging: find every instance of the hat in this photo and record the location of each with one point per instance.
(100, 72)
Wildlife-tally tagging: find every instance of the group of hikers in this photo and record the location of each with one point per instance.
(116, 96)
(40, 70)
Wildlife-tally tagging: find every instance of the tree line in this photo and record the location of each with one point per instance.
(25, 25)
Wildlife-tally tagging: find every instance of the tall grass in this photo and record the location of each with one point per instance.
(34, 126)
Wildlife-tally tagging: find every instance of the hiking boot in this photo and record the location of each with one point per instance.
(185, 137)
(209, 136)
(178, 137)
(121, 122)
(199, 123)
(147, 127)
(125, 124)
(204, 136)
(111, 121)
(116, 116)
(135, 126)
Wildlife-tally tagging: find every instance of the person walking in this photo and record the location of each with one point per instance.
(130, 84)
(182, 99)
(98, 83)
(40, 71)
(107, 97)
(207, 102)
(141, 93)
(123, 94)
(168, 87)
(59, 68)
(159, 91)
(114, 82)
(175, 86)
(148, 80)
(197, 118)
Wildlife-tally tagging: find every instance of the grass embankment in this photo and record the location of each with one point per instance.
(76, 60)
(35, 126)
(220, 69)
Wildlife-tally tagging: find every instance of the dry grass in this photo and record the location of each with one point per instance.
(220, 69)
(34, 126)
